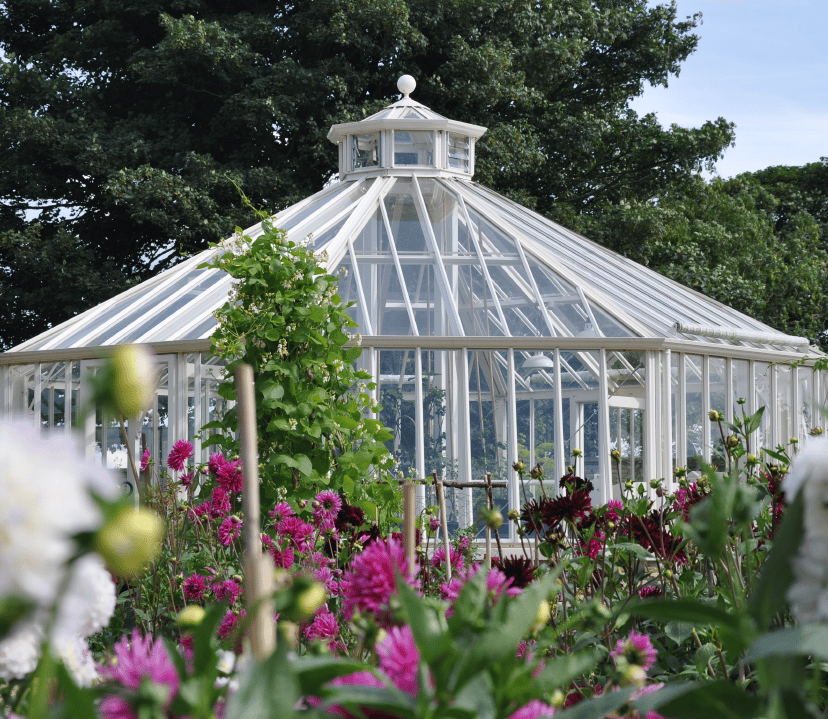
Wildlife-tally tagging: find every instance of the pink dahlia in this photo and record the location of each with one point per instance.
(226, 590)
(135, 661)
(615, 509)
(281, 511)
(229, 477)
(228, 624)
(185, 480)
(219, 503)
(636, 649)
(324, 625)
(439, 557)
(533, 710)
(182, 450)
(371, 580)
(229, 530)
(215, 463)
(145, 460)
(399, 658)
(326, 505)
(194, 588)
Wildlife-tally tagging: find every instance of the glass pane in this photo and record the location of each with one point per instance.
(694, 418)
(413, 148)
(804, 420)
(718, 402)
(783, 404)
(365, 150)
(762, 372)
(740, 386)
(458, 152)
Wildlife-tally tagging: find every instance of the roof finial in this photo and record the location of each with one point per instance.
(406, 85)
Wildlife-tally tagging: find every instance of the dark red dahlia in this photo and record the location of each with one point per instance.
(573, 483)
(530, 515)
(349, 518)
(573, 507)
(519, 569)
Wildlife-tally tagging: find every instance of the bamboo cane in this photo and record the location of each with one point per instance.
(258, 577)
(441, 501)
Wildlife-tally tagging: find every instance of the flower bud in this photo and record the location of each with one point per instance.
(537, 472)
(577, 453)
(816, 431)
(130, 540)
(133, 381)
(714, 416)
(311, 599)
(751, 460)
(655, 483)
(634, 675)
(542, 617)
(732, 441)
(191, 616)
(794, 440)
(492, 518)
(615, 455)
(513, 515)
(628, 484)
(519, 466)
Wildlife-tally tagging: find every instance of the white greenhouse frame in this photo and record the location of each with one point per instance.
(492, 333)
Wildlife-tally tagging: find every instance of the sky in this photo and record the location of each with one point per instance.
(761, 64)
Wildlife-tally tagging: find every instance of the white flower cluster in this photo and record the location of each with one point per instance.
(46, 500)
(808, 595)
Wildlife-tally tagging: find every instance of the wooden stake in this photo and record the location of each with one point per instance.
(441, 501)
(409, 523)
(258, 576)
(488, 532)
(490, 500)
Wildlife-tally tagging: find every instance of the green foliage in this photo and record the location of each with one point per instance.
(726, 239)
(285, 320)
(121, 122)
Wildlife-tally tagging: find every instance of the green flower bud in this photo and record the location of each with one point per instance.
(133, 379)
(714, 416)
(191, 616)
(130, 540)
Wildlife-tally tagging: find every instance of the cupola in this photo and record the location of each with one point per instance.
(404, 136)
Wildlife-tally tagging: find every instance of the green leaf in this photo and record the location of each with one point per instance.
(806, 640)
(599, 706)
(715, 700)
(769, 592)
(563, 670)
(267, 689)
(702, 656)
(303, 464)
(313, 672)
(79, 702)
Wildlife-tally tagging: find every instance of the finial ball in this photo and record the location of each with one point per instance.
(406, 85)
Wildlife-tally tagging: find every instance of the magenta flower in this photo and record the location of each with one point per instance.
(215, 463)
(194, 588)
(145, 460)
(185, 480)
(615, 509)
(399, 658)
(281, 511)
(324, 625)
(282, 558)
(371, 580)
(229, 476)
(326, 505)
(226, 590)
(228, 624)
(182, 450)
(535, 709)
(635, 649)
(229, 530)
(439, 558)
(219, 503)
(141, 659)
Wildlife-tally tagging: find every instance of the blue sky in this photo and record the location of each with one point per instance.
(762, 65)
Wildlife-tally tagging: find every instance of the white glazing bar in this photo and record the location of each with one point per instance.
(87, 370)
(604, 488)
(67, 396)
(729, 390)
(512, 438)
(751, 402)
(706, 423)
(681, 413)
(182, 406)
(547, 315)
(5, 395)
(36, 398)
(775, 429)
(448, 299)
(632, 445)
(420, 419)
(313, 221)
(560, 443)
(796, 400)
(483, 267)
(197, 399)
(373, 369)
(403, 284)
(667, 419)
(366, 315)
(816, 415)
(532, 460)
(461, 376)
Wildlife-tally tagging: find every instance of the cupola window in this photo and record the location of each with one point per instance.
(413, 148)
(365, 150)
(457, 151)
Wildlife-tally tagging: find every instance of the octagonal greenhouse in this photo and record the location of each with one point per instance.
(492, 333)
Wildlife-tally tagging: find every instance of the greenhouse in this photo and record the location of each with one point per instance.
(493, 334)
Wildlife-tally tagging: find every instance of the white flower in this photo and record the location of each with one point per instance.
(226, 661)
(46, 500)
(89, 601)
(808, 595)
(76, 656)
(20, 651)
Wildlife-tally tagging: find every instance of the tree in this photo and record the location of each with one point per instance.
(124, 126)
(726, 238)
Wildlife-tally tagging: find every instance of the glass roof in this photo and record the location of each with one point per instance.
(429, 254)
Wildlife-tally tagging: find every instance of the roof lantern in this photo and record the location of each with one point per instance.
(403, 136)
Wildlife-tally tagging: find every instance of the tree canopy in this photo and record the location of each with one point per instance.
(124, 126)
